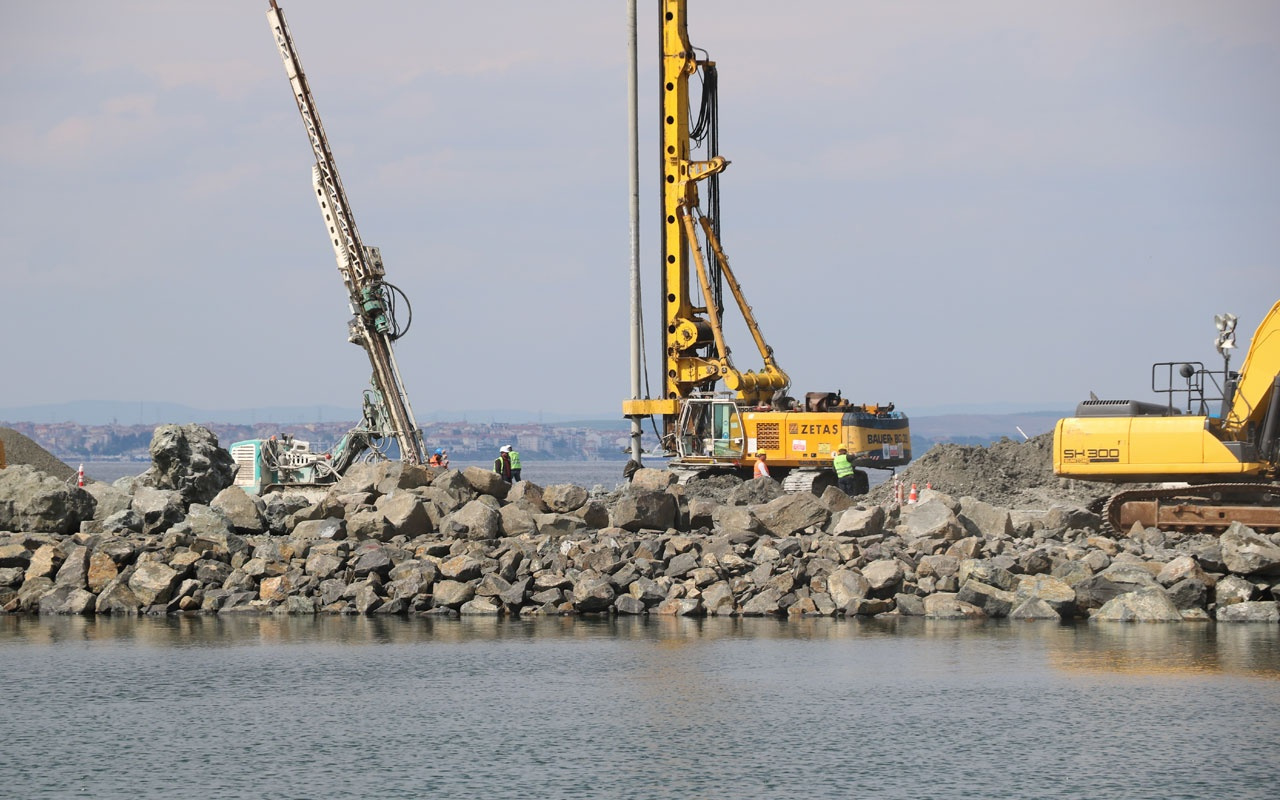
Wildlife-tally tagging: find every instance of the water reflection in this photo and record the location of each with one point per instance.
(1192, 649)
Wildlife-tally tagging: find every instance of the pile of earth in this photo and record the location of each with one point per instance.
(1010, 474)
(20, 449)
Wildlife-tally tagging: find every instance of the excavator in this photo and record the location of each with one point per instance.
(387, 418)
(706, 430)
(1216, 434)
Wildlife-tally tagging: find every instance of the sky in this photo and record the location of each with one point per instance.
(941, 206)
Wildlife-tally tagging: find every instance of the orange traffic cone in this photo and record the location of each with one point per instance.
(929, 485)
(914, 496)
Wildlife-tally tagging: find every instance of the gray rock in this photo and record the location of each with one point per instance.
(405, 513)
(152, 583)
(246, 514)
(993, 601)
(717, 599)
(558, 524)
(31, 500)
(592, 592)
(945, 605)
(1033, 608)
(1150, 604)
(737, 518)
(766, 602)
(480, 606)
(1233, 589)
(1115, 580)
(527, 493)
(754, 492)
(644, 511)
(594, 514)
(74, 571)
(1251, 611)
(883, 575)
(518, 519)
(564, 498)
(117, 598)
(651, 480)
(857, 521)
(932, 519)
(475, 521)
(330, 528)
(908, 605)
(984, 519)
(792, 513)
(1189, 593)
(1052, 592)
(627, 605)
(845, 585)
(682, 565)
(987, 571)
(187, 459)
(159, 508)
(1246, 553)
(486, 481)
(109, 499)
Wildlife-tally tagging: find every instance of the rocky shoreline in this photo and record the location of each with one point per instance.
(395, 539)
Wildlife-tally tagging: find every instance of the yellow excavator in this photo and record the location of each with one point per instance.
(705, 430)
(1217, 433)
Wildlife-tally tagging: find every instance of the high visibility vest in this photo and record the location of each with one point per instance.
(515, 459)
(762, 469)
(844, 467)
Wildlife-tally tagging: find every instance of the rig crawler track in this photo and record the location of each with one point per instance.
(1203, 508)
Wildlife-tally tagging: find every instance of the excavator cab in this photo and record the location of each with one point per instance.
(710, 430)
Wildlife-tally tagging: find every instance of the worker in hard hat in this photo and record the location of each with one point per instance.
(502, 464)
(439, 459)
(762, 466)
(845, 472)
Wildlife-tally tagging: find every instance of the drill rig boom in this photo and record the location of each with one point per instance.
(373, 325)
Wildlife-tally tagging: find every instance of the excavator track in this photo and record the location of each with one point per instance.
(814, 481)
(1205, 508)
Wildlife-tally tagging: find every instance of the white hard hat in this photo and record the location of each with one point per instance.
(506, 448)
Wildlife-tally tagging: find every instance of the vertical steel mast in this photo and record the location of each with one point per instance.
(373, 326)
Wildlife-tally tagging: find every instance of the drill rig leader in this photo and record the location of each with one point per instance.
(705, 431)
(387, 415)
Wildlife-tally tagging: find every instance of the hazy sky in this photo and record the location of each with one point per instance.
(928, 203)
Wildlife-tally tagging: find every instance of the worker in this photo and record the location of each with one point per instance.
(439, 459)
(762, 468)
(502, 464)
(515, 463)
(844, 472)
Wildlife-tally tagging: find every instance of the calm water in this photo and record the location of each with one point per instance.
(632, 708)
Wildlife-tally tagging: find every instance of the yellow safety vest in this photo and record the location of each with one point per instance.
(844, 467)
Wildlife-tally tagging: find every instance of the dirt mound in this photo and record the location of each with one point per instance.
(1007, 473)
(19, 449)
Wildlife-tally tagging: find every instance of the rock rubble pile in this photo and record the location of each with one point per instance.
(395, 539)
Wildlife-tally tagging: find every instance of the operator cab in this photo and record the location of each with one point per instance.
(710, 429)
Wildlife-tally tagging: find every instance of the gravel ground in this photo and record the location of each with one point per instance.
(1008, 474)
(19, 449)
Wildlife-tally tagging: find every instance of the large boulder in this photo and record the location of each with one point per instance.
(1144, 605)
(153, 582)
(33, 501)
(1051, 591)
(564, 498)
(244, 512)
(486, 481)
(1252, 611)
(475, 521)
(159, 509)
(931, 519)
(857, 521)
(984, 519)
(651, 480)
(792, 513)
(643, 511)
(187, 458)
(1246, 553)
